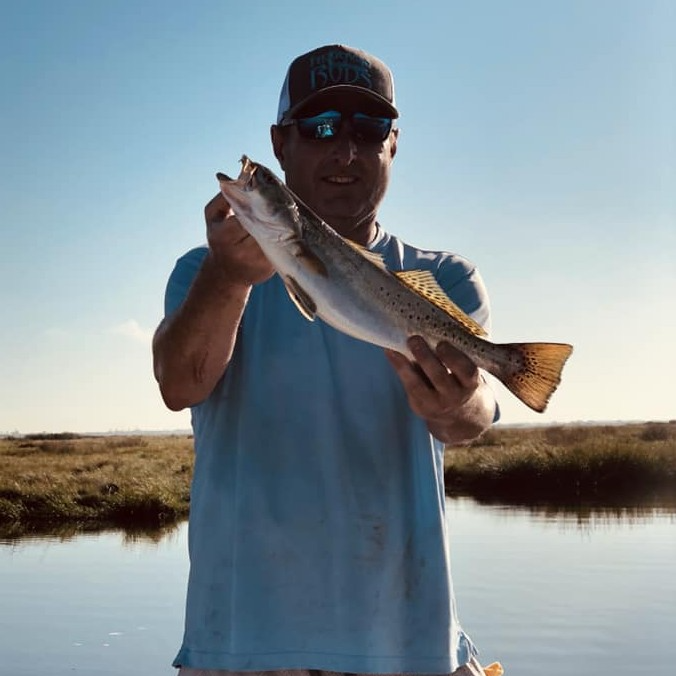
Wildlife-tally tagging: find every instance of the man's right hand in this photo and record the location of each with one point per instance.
(232, 248)
(193, 346)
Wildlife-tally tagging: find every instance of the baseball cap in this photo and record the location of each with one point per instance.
(335, 68)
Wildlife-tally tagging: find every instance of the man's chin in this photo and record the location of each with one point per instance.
(348, 226)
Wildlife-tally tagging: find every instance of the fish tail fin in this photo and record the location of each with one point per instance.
(534, 373)
(494, 669)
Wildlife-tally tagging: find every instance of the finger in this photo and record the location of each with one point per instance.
(221, 219)
(462, 367)
(217, 209)
(423, 398)
(397, 360)
(411, 375)
(435, 371)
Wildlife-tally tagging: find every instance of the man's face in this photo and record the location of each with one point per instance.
(342, 179)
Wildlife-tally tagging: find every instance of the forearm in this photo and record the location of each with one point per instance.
(468, 421)
(193, 346)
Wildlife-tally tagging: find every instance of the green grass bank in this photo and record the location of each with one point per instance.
(568, 465)
(67, 483)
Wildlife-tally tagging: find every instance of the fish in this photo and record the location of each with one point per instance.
(351, 289)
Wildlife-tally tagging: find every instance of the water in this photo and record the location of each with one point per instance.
(556, 595)
(543, 593)
(98, 605)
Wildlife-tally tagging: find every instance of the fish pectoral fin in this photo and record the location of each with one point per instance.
(302, 300)
(375, 258)
(424, 284)
(307, 258)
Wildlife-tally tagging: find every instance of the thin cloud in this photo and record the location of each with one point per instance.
(131, 329)
(56, 332)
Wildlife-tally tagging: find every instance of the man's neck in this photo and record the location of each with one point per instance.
(363, 232)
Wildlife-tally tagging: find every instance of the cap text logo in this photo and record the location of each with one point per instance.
(335, 68)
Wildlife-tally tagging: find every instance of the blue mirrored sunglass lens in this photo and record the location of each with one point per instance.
(326, 125)
(371, 128)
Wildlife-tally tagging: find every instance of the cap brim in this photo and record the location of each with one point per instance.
(381, 101)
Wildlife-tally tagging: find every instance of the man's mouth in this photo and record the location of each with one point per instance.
(340, 180)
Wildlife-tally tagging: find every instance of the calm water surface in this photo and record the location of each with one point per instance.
(543, 593)
(560, 595)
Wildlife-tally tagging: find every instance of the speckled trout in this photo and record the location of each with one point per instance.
(350, 288)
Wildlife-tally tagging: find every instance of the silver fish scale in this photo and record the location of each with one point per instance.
(371, 304)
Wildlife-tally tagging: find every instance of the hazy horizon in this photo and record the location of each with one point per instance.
(188, 430)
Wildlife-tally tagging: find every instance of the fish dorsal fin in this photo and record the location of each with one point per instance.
(302, 300)
(375, 258)
(425, 285)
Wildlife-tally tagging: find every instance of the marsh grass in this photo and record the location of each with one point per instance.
(624, 464)
(134, 482)
(66, 483)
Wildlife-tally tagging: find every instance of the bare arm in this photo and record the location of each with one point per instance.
(446, 389)
(193, 346)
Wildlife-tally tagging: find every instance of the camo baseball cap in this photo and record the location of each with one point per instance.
(335, 68)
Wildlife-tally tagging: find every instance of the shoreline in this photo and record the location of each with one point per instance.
(67, 483)
(567, 465)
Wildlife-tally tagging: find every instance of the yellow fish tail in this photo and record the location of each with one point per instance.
(538, 374)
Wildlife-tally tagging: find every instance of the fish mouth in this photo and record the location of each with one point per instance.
(248, 173)
(246, 180)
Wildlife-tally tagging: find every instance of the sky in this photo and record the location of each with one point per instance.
(538, 139)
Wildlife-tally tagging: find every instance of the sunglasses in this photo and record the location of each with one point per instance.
(326, 126)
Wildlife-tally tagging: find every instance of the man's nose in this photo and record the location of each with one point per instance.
(345, 147)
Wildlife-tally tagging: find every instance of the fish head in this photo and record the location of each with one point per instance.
(262, 203)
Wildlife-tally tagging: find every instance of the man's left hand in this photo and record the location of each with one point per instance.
(446, 389)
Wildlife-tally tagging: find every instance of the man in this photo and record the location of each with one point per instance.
(317, 532)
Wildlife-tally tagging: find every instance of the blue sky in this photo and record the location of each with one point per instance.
(537, 139)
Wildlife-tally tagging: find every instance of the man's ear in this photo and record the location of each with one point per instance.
(393, 143)
(277, 138)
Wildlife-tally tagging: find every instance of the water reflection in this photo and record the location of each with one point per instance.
(585, 515)
(590, 514)
(16, 533)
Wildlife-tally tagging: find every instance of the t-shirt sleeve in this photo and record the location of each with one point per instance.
(465, 287)
(181, 279)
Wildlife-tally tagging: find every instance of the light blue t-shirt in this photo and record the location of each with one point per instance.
(317, 530)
